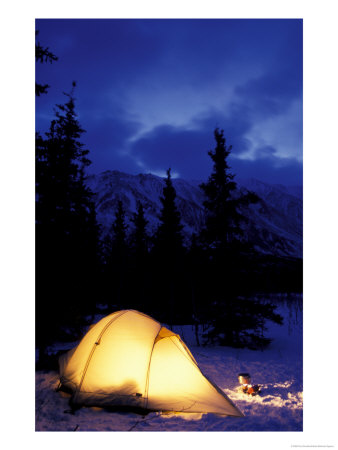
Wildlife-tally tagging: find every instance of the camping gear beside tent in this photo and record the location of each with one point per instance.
(244, 378)
(246, 386)
(129, 359)
(250, 389)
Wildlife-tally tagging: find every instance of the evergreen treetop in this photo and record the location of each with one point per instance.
(61, 161)
(169, 234)
(42, 55)
(222, 206)
(66, 227)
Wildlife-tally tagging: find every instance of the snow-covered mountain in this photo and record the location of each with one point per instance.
(275, 222)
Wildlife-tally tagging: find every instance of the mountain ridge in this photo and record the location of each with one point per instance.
(274, 222)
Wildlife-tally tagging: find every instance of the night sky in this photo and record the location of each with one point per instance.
(150, 93)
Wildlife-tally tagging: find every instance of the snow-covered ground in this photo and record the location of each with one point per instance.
(278, 370)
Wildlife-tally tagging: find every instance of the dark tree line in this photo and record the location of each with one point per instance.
(66, 229)
(208, 280)
(144, 271)
(196, 282)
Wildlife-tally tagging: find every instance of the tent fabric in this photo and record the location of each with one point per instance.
(129, 359)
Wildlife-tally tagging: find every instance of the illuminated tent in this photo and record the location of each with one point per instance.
(129, 359)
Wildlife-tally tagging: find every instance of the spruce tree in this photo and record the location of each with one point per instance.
(168, 249)
(140, 237)
(234, 321)
(222, 217)
(169, 239)
(119, 228)
(117, 254)
(140, 259)
(66, 228)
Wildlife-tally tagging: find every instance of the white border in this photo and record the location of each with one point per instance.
(320, 206)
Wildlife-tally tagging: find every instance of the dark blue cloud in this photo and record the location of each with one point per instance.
(269, 168)
(236, 124)
(98, 52)
(109, 137)
(185, 151)
(268, 95)
(150, 92)
(181, 149)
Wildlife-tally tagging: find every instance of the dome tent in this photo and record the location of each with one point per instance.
(129, 359)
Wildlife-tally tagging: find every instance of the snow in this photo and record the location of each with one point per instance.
(278, 370)
(275, 222)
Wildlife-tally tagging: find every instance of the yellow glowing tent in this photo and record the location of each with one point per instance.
(129, 359)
